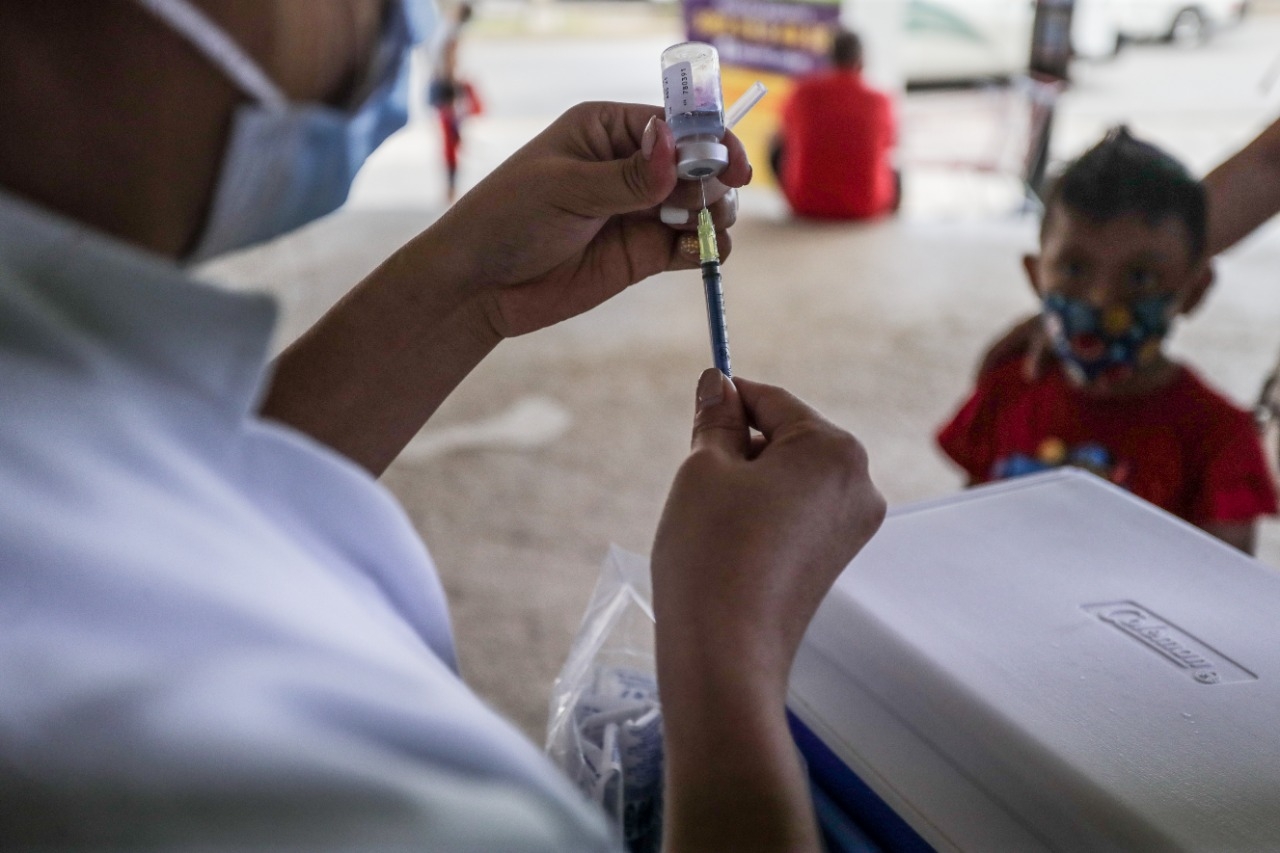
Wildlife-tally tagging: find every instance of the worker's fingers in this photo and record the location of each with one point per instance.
(719, 422)
(608, 186)
(683, 213)
(687, 253)
(771, 409)
(724, 213)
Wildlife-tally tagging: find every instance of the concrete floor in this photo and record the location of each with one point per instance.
(877, 325)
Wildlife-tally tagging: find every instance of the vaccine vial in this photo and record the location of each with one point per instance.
(695, 108)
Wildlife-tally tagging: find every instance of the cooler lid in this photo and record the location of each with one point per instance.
(1050, 661)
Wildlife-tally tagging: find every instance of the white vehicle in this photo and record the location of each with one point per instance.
(948, 40)
(1185, 22)
(1101, 26)
(951, 40)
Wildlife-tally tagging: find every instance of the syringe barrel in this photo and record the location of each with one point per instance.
(716, 323)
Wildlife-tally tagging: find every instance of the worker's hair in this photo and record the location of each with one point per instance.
(1122, 175)
(846, 48)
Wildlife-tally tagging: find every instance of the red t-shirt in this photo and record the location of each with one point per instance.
(837, 136)
(1183, 447)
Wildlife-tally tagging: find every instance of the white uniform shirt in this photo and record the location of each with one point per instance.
(214, 632)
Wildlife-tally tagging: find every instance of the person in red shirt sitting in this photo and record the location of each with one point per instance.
(1123, 252)
(833, 153)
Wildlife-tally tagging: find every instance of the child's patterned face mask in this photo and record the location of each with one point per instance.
(1105, 346)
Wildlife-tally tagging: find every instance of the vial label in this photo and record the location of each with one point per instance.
(691, 109)
(677, 89)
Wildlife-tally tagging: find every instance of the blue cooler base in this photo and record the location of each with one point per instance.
(852, 817)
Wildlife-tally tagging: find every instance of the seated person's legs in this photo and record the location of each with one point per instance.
(776, 152)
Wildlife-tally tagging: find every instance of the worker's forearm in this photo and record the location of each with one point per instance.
(734, 780)
(370, 373)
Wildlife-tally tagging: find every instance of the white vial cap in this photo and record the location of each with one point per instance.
(702, 159)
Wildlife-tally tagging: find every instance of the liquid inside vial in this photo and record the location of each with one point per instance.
(707, 122)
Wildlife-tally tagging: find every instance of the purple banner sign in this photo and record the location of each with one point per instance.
(783, 37)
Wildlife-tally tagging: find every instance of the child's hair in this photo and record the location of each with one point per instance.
(1122, 175)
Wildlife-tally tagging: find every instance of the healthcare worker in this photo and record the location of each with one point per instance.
(217, 631)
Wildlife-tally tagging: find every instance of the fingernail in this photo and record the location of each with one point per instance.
(672, 215)
(688, 245)
(731, 199)
(750, 172)
(710, 388)
(649, 138)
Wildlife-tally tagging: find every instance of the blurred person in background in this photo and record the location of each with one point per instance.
(452, 97)
(833, 153)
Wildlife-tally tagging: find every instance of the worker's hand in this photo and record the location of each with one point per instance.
(1026, 339)
(572, 218)
(754, 533)
(756, 529)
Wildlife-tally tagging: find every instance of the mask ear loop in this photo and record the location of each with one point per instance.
(1267, 407)
(213, 41)
(1266, 415)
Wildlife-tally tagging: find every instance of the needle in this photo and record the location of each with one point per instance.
(709, 256)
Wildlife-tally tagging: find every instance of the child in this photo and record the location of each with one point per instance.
(1122, 252)
(452, 97)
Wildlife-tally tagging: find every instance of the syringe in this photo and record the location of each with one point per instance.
(709, 252)
(709, 259)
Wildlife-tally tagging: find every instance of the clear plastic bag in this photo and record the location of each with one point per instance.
(605, 723)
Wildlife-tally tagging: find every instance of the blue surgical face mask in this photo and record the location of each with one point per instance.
(287, 164)
(1101, 346)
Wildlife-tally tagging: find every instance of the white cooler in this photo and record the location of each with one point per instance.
(1046, 664)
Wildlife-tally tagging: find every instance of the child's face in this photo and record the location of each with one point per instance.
(1116, 262)
(1110, 290)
